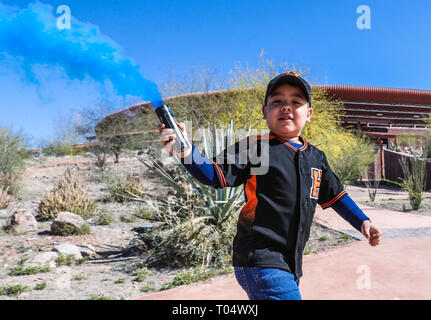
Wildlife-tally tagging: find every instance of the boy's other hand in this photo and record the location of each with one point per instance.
(167, 137)
(371, 232)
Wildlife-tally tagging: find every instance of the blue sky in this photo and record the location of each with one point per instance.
(165, 36)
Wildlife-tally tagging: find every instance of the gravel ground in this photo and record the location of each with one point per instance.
(402, 205)
(108, 275)
(395, 200)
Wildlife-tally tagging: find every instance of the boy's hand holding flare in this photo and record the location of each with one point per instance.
(167, 137)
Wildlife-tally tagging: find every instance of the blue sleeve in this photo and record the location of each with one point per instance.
(350, 212)
(200, 167)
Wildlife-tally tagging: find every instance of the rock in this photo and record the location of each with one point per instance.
(87, 246)
(42, 259)
(93, 220)
(66, 219)
(22, 221)
(87, 250)
(136, 246)
(67, 249)
(4, 214)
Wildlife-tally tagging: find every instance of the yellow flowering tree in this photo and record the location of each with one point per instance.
(347, 154)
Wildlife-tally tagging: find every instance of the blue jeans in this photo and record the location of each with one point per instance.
(268, 283)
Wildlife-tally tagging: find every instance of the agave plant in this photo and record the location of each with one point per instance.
(219, 204)
(198, 224)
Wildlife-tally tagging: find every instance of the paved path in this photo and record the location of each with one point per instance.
(393, 224)
(399, 268)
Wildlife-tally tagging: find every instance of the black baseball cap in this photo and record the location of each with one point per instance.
(291, 78)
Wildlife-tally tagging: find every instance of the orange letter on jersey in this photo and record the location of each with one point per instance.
(316, 174)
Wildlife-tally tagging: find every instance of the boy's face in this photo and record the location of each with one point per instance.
(287, 111)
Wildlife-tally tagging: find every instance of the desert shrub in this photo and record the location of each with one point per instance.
(104, 218)
(414, 169)
(54, 148)
(128, 218)
(141, 274)
(372, 188)
(145, 212)
(99, 297)
(68, 195)
(68, 229)
(348, 156)
(126, 188)
(99, 176)
(60, 148)
(5, 198)
(414, 179)
(40, 286)
(146, 288)
(13, 290)
(23, 271)
(13, 153)
(67, 260)
(196, 274)
(186, 238)
(100, 152)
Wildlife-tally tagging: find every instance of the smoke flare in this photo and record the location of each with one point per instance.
(31, 37)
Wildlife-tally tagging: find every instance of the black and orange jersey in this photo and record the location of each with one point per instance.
(282, 186)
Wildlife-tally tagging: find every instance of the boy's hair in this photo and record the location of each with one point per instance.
(294, 80)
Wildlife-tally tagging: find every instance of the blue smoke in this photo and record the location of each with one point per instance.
(31, 37)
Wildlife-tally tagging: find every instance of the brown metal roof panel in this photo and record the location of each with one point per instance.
(407, 114)
(352, 105)
(382, 119)
(377, 94)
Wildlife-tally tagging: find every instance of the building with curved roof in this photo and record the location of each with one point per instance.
(382, 113)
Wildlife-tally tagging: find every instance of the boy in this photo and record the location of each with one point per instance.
(274, 224)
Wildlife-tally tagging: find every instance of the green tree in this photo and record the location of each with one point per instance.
(111, 138)
(13, 153)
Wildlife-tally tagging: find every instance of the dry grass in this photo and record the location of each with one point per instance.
(68, 195)
(127, 189)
